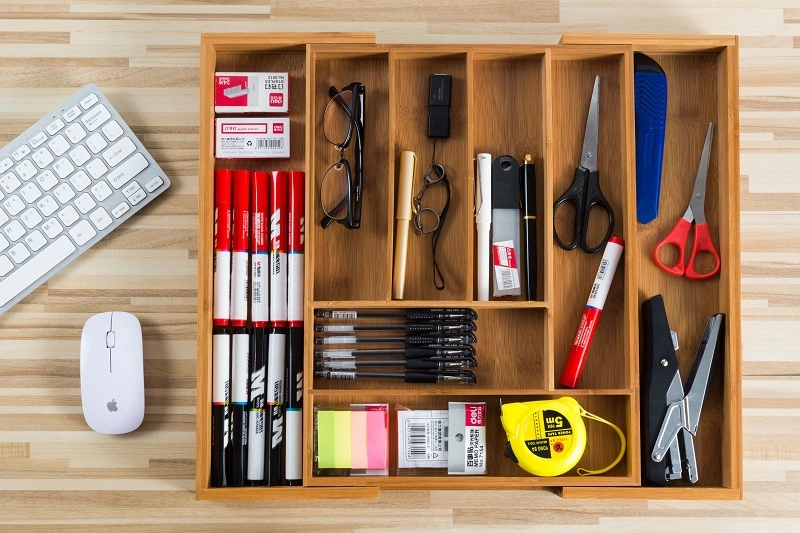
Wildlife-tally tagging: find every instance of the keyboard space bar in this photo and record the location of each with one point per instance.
(39, 265)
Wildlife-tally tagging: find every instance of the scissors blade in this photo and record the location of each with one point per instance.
(698, 201)
(589, 153)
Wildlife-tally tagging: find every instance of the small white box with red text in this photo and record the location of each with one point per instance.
(251, 92)
(252, 138)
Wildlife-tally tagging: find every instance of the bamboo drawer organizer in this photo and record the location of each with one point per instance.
(507, 99)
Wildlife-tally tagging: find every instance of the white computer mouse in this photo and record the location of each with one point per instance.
(112, 373)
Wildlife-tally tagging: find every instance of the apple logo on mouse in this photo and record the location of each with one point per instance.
(112, 405)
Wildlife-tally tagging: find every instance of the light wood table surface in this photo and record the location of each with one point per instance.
(56, 474)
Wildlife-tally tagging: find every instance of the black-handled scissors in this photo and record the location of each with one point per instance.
(584, 193)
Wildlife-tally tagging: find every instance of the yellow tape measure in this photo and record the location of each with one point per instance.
(548, 437)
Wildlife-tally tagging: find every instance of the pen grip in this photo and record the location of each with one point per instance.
(400, 259)
(420, 377)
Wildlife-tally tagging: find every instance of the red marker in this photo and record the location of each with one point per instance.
(591, 314)
(241, 247)
(293, 461)
(277, 248)
(259, 265)
(222, 247)
(297, 243)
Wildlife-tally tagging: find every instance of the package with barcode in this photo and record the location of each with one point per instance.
(422, 438)
(467, 442)
(452, 439)
(252, 138)
(505, 253)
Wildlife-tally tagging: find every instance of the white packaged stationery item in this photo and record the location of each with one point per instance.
(252, 138)
(251, 92)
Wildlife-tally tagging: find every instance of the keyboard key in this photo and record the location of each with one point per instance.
(68, 215)
(47, 205)
(80, 155)
(14, 205)
(75, 133)
(37, 140)
(96, 143)
(63, 167)
(43, 157)
(64, 193)
(131, 188)
(82, 232)
(113, 130)
(26, 170)
(97, 168)
(137, 197)
(55, 127)
(47, 180)
(52, 228)
(47, 259)
(5, 265)
(117, 153)
(84, 203)
(3, 243)
(5, 164)
(120, 210)
(89, 101)
(100, 218)
(30, 192)
(101, 190)
(58, 145)
(80, 180)
(35, 240)
(72, 113)
(31, 218)
(3, 217)
(15, 231)
(21, 152)
(10, 182)
(128, 170)
(154, 184)
(19, 253)
(96, 117)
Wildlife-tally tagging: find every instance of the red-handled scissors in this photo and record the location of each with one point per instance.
(694, 213)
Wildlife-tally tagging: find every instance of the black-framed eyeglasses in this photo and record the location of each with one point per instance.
(341, 188)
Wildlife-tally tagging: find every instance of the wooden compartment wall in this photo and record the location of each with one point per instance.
(507, 99)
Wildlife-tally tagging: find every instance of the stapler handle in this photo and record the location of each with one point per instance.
(659, 365)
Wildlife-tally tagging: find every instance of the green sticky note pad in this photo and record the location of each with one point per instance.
(325, 439)
(341, 432)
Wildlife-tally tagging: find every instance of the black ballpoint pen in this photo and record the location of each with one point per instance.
(464, 377)
(528, 198)
(445, 314)
(409, 327)
(442, 352)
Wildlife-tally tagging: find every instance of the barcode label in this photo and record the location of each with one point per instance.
(344, 314)
(601, 272)
(271, 144)
(422, 439)
(506, 273)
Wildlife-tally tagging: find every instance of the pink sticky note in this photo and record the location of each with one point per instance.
(377, 440)
(358, 440)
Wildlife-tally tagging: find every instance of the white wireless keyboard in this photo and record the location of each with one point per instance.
(67, 182)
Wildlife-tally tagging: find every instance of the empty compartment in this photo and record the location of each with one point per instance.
(602, 447)
(574, 271)
(510, 351)
(692, 102)
(412, 69)
(352, 264)
(508, 115)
